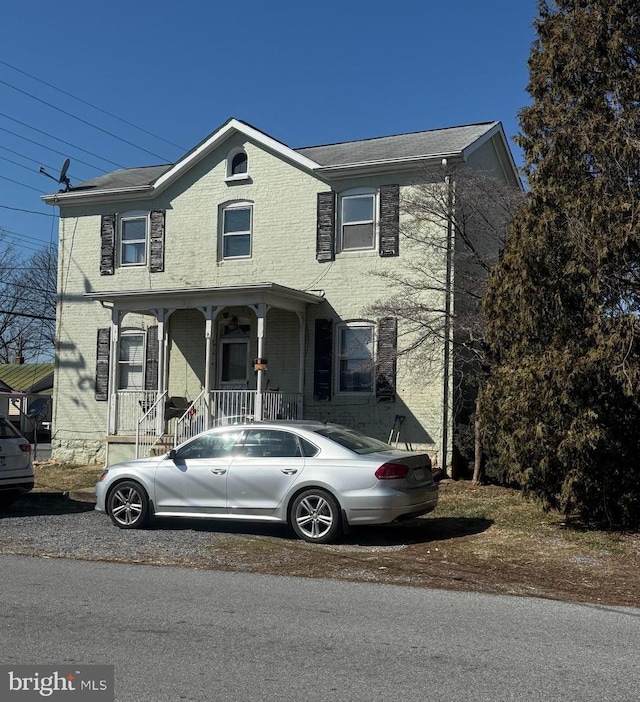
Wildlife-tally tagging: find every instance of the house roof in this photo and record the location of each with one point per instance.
(416, 145)
(27, 377)
(329, 160)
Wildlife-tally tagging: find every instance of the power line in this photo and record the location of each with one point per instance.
(95, 107)
(20, 209)
(25, 157)
(83, 121)
(62, 141)
(30, 316)
(24, 185)
(48, 148)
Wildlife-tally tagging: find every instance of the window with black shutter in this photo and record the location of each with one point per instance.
(326, 226)
(156, 241)
(107, 244)
(389, 220)
(151, 360)
(102, 364)
(323, 348)
(386, 359)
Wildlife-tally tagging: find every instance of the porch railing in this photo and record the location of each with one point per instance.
(131, 406)
(150, 427)
(141, 414)
(193, 421)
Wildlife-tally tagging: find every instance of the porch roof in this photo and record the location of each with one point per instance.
(271, 294)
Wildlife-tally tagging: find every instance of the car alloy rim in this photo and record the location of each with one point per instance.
(314, 516)
(126, 505)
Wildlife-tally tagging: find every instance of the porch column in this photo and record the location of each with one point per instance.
(261, 312)
(116, 317)
(302, 318)
(162, 345)
(210, 315)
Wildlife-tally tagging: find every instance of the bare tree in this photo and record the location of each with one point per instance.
(27, 302)
(452, 228)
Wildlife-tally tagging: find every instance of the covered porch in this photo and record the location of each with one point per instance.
(176, 362)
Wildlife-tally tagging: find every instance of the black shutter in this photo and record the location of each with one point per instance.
(156, 242)
(102, 364)
(151, 360)
(386, 353)
(322, 359)
(325, 237)
(389, 220)
(107, 244)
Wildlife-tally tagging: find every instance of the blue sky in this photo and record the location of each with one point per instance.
(304, 72)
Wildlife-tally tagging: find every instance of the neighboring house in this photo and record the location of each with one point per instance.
(21, 384)
(232, 284)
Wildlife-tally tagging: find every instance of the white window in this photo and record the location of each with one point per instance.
(131, 361)
(237, 165)
(133, 229)
(355, 373)
(236, 231)
(358, 221)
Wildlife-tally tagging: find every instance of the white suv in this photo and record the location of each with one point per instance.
(16, 469)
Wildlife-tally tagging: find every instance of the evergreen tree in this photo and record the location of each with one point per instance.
(562, 408)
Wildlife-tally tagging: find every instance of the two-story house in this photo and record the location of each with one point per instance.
(234, 284)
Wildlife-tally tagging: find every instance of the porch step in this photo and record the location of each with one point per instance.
(164, 444)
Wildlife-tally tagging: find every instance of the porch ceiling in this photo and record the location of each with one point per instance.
(271, 294)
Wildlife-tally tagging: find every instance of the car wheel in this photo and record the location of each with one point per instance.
(128, 505)
(315, 516)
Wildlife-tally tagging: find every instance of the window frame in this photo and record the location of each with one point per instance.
(127, 363)
(229, 207)
(234, 382)
(131, 216)
(229, 174)
(352, 194)
(340, 359)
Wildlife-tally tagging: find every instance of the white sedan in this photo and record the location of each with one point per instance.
(319, 478)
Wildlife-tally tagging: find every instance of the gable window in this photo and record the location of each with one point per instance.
(355, 372)
(358, 221)
(237, 165)
(131, 361)
(236, 231)
(133, 231)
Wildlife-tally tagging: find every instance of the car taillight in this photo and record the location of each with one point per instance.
(26, 448)
(392, 471)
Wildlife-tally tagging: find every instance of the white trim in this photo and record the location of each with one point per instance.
(215, 139)
(125, 217)
(230, 176)
(355, 324)
(235, 205)
(373, 193)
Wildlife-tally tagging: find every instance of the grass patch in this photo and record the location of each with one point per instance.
(63, 477)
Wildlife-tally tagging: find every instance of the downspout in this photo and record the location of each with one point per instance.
(447, 319)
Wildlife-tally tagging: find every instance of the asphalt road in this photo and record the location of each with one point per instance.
(177, 634)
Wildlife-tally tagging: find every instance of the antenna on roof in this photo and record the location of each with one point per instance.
(63, 178)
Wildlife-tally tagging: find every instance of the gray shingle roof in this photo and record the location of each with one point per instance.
(450, 140)
(436, 142)
(125, 178)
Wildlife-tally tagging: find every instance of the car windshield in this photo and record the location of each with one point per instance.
(353, 440)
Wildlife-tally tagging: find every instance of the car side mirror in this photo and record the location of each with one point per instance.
(172, 454)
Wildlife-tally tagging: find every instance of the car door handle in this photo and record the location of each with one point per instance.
(289, 471)
(218, 471)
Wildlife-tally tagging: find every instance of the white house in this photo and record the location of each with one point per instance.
(233, 284)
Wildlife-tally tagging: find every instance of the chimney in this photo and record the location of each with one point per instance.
(19, 359)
